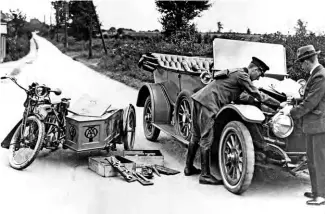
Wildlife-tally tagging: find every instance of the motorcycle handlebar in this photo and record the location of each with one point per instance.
(14, 80)
(56, 91)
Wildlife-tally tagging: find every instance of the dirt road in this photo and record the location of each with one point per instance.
(61, 182)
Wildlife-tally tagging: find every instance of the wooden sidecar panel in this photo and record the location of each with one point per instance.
(90, 133)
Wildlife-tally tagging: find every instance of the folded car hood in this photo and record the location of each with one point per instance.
(287, 86)
(237, 54)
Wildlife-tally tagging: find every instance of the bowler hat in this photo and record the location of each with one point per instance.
(306, 52)
(260, 64)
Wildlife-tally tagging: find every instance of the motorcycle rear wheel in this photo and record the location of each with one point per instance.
(36, 137)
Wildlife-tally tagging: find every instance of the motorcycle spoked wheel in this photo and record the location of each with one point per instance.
(22, 154)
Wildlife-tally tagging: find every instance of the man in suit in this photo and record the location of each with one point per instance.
(206, 104)
(311, 111)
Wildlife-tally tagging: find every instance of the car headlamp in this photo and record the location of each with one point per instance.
(282, 125)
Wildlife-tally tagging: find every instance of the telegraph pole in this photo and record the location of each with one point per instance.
(66, 12)
(57, 23)
(98, 24)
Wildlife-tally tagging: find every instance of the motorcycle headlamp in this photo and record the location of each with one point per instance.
(282, 125)
(41, 91)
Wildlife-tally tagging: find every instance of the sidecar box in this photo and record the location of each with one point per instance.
(103, 168)
(92, 125)
(85, 133)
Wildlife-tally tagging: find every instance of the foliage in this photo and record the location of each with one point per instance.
(125, 51)
(177, 15)
(59, 12)
(17, 39)
(220, 27)
(17, 48)
(16, 23)
(83, 17)
(301, 28)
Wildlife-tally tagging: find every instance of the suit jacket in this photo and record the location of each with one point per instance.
(311, 110)
(222, 91)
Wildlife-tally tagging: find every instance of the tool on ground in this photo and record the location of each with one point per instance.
(147, 172)
(142, 179)
(120, 167)
(153, 167)
(166, 171)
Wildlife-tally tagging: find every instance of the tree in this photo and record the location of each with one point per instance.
(17, 22)
(112, 29)
(59, 15)
(83, 21)
(177, 15)
(249, 31)
(301, 28)
(220, 27)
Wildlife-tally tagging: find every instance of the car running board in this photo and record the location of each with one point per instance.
(170, 130)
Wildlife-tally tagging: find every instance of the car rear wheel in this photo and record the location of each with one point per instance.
(183, 117)
(150, 131)
(236, 157)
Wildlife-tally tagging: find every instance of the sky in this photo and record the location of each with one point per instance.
(261, 16)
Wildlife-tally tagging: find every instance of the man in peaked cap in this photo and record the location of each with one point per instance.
(207, 103)
(312, 112)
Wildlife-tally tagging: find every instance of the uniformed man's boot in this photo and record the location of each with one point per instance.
(206, 177)
(189, 168)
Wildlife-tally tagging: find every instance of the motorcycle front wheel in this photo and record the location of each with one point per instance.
(24, 149)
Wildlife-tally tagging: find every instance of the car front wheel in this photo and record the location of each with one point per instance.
(236, 157)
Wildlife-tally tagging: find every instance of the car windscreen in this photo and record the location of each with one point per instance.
(237, 54)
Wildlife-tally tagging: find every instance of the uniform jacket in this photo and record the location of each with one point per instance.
(222, 91)
(311, 110)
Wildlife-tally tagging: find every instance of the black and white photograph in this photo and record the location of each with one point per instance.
(162, 106)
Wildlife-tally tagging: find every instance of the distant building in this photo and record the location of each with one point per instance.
(3, 33)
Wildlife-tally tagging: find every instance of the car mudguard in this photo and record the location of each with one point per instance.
(248, 113)
(6, 142)
(161, 105)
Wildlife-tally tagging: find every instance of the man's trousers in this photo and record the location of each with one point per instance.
(316, 162)
(202, 125)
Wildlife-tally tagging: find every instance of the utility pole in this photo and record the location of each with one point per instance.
(57, 23)
(90, 54)
(66, 12)
(98, 24)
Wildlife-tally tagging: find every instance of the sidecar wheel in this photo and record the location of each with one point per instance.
(236, 157)
(129, 132)
(36, 130)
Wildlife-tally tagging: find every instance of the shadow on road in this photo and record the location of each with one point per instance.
(270, 181)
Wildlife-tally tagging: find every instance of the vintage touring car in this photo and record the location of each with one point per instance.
(247, 133)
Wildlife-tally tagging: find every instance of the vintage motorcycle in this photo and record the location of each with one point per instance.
(43, 125)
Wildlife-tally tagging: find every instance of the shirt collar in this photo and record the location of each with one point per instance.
(314, 68)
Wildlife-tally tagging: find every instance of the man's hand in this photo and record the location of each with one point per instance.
(290, 99)
(283, 104)
(286, 110)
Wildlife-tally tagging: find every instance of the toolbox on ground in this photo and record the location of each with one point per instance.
(105, 169)
(145, 157)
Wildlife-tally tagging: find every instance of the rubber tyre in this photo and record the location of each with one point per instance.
(37, 148)
(128, 145)
(152, 134)
(239, 130)
(183, 96)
